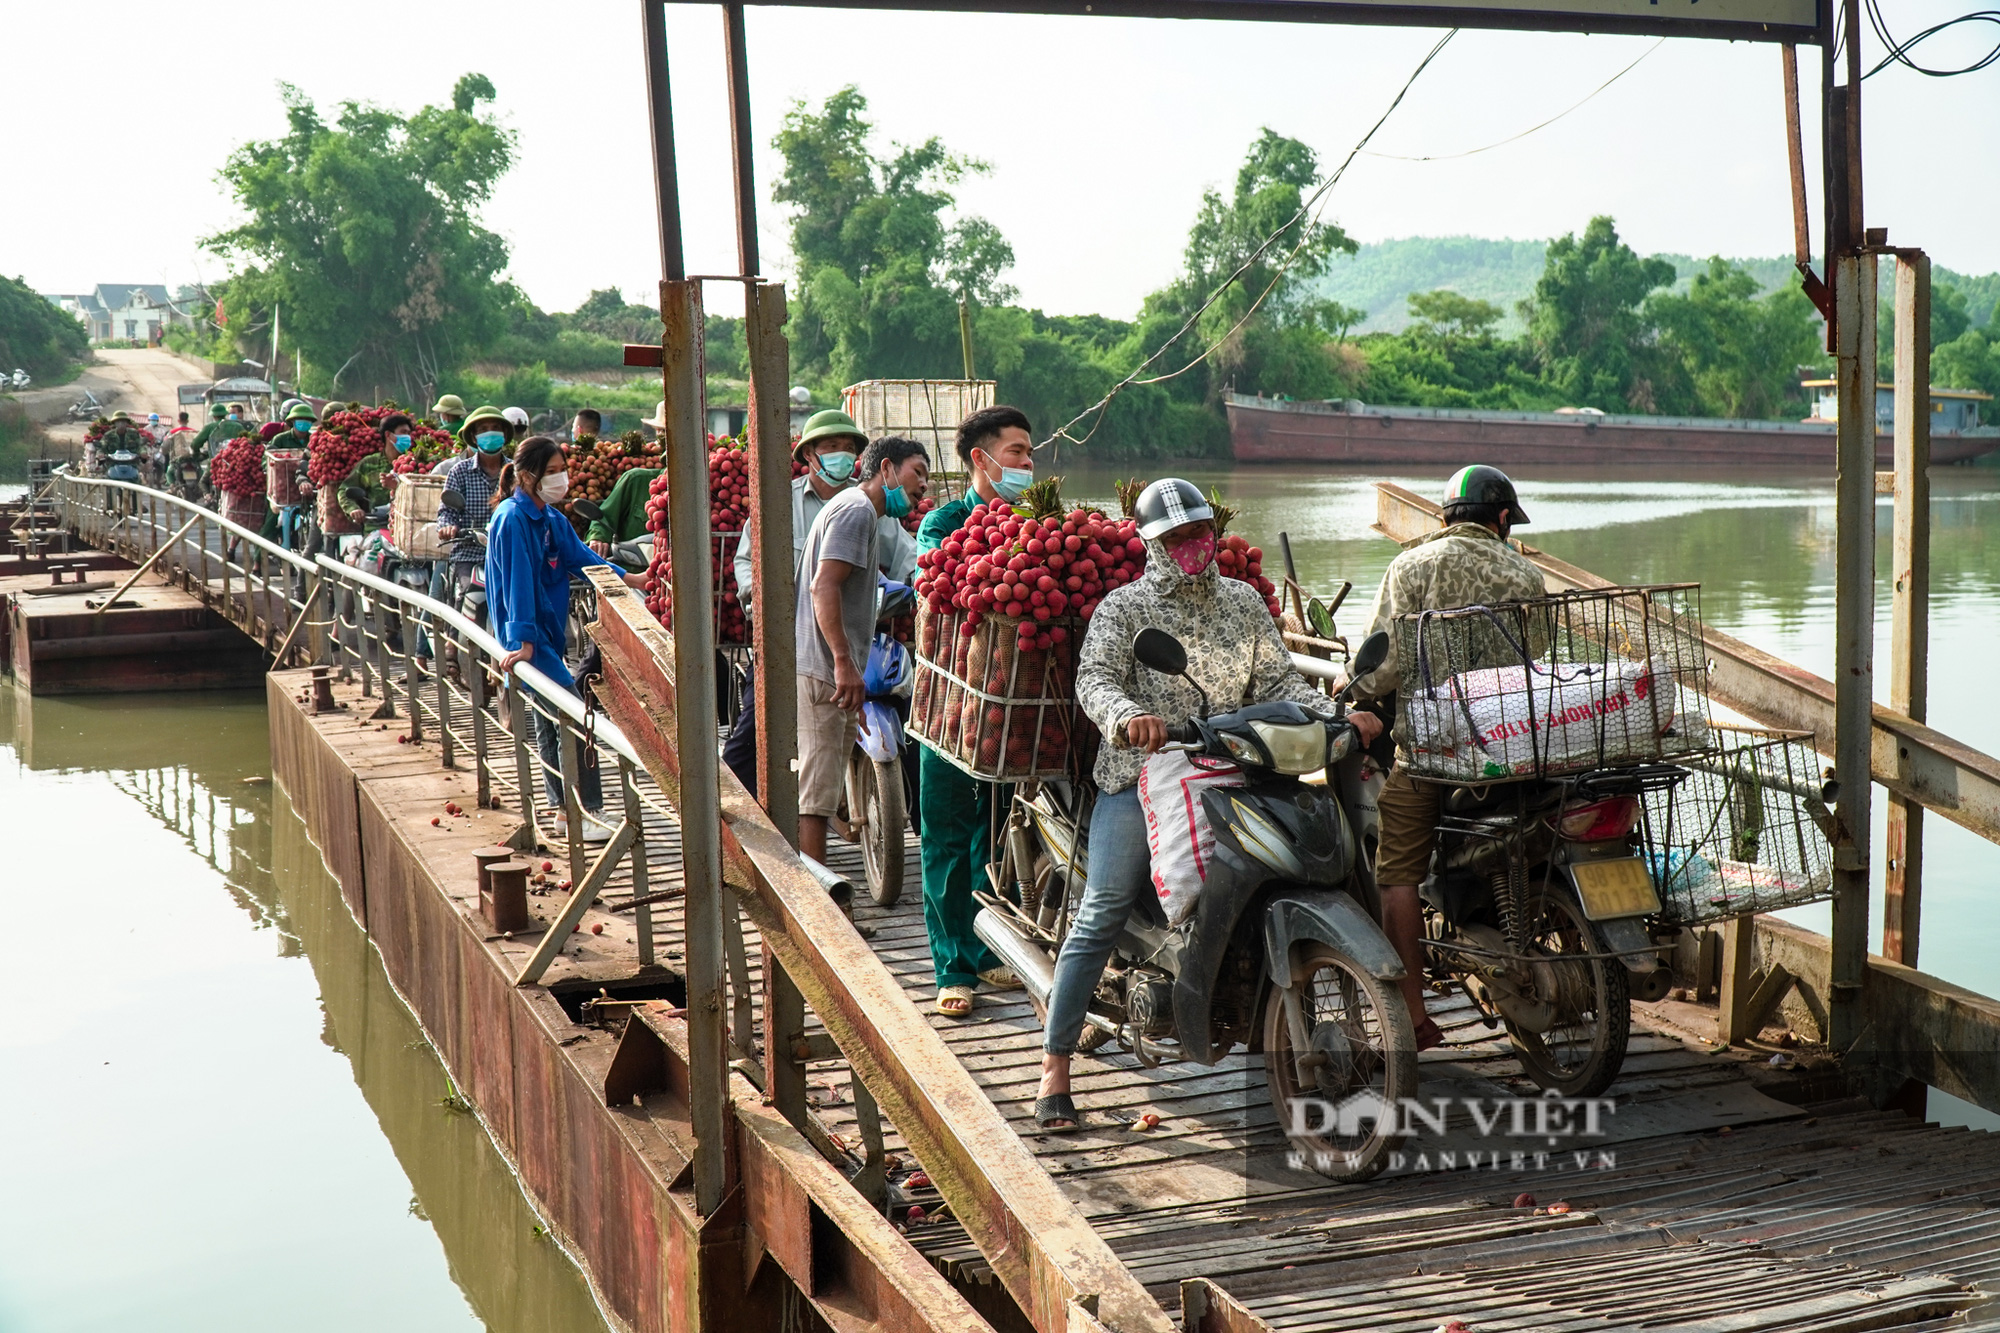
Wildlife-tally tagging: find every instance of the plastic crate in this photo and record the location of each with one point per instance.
(1746, 831)
(1023, 724)
(1564, 684)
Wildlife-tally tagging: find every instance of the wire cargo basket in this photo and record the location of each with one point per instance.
(1023, 724)
(281, 475)
(1562, 684)
(1746, 831)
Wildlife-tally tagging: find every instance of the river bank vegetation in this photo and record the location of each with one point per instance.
(364, 230)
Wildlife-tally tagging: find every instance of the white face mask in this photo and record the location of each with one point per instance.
(555, 486)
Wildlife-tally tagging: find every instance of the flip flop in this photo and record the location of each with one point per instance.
(954, 1001)
(1057, 1106)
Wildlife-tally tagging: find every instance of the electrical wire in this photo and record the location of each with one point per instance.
(1308, 211)
(1899, 51)
(1448, 157)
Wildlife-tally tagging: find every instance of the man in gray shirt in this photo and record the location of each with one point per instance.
(835, 622)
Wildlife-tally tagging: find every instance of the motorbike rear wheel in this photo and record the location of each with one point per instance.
(875, 802)
(1580, 1054)
(1359, 1042)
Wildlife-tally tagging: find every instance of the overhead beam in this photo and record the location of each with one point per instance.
(1907, 757)
(1785, 21)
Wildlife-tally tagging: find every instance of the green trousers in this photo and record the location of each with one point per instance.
(958, 815)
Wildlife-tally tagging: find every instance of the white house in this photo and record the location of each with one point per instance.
(138, 311)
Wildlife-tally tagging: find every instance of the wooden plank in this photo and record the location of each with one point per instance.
(1910, 593)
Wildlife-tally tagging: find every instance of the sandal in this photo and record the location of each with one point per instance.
(1001, 978)
(954, 1001)
(1057, 1106)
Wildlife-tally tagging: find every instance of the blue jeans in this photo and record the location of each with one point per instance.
(1120, 870)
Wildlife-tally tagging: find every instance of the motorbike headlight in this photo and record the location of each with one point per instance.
(1295, 750)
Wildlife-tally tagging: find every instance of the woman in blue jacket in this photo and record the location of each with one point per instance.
(531, 554)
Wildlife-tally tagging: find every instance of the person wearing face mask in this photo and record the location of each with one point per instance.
(828, 447)
(476, 478)
(834, 622)
(532, 552)
(1234, 653)
(996, 447)
(369, 474)
(450, 413)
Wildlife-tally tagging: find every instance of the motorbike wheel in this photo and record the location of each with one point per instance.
(1360, 1041)
(1582, 1051)
(875, 794)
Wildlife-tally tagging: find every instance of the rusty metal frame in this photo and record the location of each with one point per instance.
(1043, 1251)
(1909, 758)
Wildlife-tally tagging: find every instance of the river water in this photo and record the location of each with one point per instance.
(218, 1115)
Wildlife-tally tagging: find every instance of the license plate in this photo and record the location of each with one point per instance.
(1611, 889)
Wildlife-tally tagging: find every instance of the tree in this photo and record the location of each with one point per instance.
(1449, 317)
(1584, 322)
(880, 272)
(1969, 361)
(1726, 352)
(36, 336)
(365, 234)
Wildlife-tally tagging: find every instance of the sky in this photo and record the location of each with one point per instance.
(1102, 133)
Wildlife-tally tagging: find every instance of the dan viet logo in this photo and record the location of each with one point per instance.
(1498, 1133)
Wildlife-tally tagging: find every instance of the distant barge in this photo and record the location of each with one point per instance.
(1269, 430)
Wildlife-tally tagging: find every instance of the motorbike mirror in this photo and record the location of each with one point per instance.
(587, 510)
(357, 494)
(897, 599)
(1159, 651)
(1374, 652)
(452, 499)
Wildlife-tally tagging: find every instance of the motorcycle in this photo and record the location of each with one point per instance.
(86, 408)
(1537, 904)
(122, 465)
(17, 381)
(1281, 952)
(878, 791)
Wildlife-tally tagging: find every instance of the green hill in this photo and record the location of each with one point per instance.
(1381, 276)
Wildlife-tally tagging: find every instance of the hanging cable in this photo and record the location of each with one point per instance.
(1448, 157)
(1899, 51)
(1307, 211)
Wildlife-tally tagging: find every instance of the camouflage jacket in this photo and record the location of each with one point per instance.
(1234, 652)
(1462, 565)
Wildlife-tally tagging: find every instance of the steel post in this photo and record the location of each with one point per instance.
(700, 805)
(740, 145)
(473, 667)
(642, 916)
(666, 172)
(1854, 639)
(1910, 591)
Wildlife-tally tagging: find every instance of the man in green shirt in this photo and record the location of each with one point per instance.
(959, 812)
(624, 510)
(216, 413)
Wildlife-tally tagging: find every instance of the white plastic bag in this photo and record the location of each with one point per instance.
(1177, 829)
(1496, 721)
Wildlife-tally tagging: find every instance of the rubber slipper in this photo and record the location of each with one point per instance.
(958, 998)
(1001, 978)
(1057, 1106)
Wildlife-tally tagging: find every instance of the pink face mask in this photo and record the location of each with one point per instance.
(1194, 554)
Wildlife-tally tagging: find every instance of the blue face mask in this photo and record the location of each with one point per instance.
(402, 444)
(836, 468)
(490, 441)
(302, 427)
(1011, 481)
(896, 500)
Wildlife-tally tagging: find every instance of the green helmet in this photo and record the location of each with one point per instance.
(121, 415)
(450, 405)
(302, 412)
(1482, 485)
(218, 410)
(832, 421)
(479, 414)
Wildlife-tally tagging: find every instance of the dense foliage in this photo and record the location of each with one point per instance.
(365, 232)
(35, 336)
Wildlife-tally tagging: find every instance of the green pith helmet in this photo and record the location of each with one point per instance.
(121, 415)
(218, 410)
(302, 412)
(1482, 485)
(479, 414)
(450, 405)
(832, 421)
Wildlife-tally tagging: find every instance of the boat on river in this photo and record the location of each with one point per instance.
(1273, 430)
